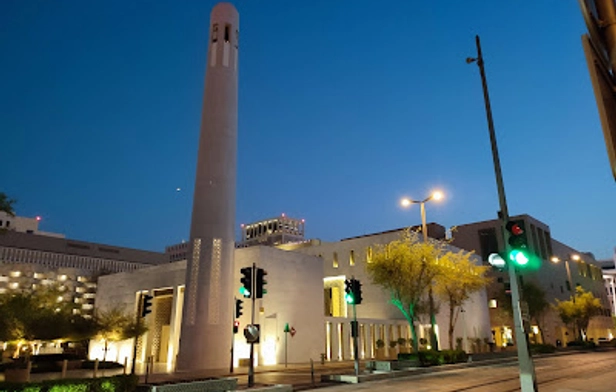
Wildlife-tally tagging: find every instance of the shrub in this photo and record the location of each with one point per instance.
(124, 383)
(435, 358)
(402, 342)
(542, 348)
(582, 344)
(380, 343)
(393, 343)
(407, 356)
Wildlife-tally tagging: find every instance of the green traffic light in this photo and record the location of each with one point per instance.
(244, 292)
(519, 257)
(349, 298)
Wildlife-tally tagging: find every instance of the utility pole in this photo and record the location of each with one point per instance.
(355, 332)
(251, 367)
(528, 381)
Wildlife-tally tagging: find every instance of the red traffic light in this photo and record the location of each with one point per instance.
(516, 230)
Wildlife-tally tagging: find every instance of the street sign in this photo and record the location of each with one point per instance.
(251, 332)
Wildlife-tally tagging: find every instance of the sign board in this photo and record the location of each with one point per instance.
(252, 332)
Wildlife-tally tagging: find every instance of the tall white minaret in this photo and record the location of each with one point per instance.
(207, 318)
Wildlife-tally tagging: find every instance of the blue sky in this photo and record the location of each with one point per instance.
(345, 106)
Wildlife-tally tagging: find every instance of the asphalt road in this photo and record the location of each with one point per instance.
(583, 372)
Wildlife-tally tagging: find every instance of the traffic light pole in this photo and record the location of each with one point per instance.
(251, 366)
(528, 380)
(233, 335)
(355, 340)
(133, 365)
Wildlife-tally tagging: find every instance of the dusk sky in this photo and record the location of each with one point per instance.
(344, 107)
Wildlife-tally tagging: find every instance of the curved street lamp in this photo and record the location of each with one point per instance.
(406, 202)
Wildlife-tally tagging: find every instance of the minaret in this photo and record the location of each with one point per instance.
(207, 318)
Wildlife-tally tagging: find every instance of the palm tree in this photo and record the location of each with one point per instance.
(6, 204)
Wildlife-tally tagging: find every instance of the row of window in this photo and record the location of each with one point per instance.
(57, 260)
(227, 34)
(8, 223)
(352, 258)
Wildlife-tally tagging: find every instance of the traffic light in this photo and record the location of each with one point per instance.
(238, 308)
(518, 254)
(146, 304)
(261, 282)
(236, 326)
(246, 280)
(348, 289)
(356, 286)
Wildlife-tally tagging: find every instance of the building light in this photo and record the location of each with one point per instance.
(15, 274)
(492, 304)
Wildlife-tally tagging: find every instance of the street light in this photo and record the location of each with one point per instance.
(406, 202)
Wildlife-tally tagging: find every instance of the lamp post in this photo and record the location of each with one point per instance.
(528, 380)
(406, 202)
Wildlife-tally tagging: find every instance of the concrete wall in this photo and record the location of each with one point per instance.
(294, 296)
(376, 303)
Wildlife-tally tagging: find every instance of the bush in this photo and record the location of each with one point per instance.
(542, 348)
(435, 358)
(125, 383)
(407, 357)
(582, 344)
(380, 343)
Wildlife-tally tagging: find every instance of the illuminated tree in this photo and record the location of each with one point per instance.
(114, 325)
(579, 310)
(405, 268)
(457, 279)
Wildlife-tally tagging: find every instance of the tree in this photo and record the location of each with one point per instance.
(37, 315)
(114, 325)
(459, 277)
(6, 204)
(534, 296)
(405, 268)
(579, 310)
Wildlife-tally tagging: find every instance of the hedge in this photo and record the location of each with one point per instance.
(123, 383)
(434, 358)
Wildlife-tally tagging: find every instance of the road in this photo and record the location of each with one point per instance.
(583, 372)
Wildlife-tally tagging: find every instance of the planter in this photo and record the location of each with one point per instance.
(17, 375)
(380, 353)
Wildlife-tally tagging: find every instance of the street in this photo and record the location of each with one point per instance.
(587, 372)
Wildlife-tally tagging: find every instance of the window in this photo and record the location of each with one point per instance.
(568, 286)
(488, 242)
(535, 246)
(237, 38)
(369, 254)
(492, 304)
(8, 223)
(548, 242)
(227, 32)
(215, 33)
(352, 258)
(542, 248)
(335, 265)
(500, 279)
